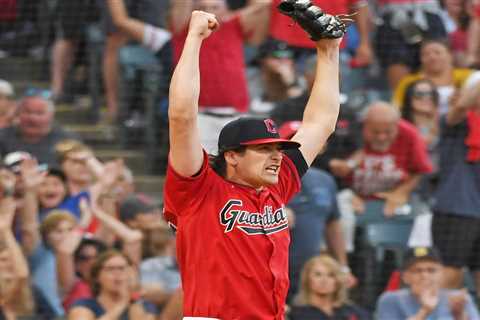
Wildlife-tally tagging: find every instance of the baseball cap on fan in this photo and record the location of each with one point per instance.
(412, 255)
(13, 160)
(6, 89)
(246, 131)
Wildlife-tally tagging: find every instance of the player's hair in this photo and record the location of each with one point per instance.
(218, 163)
(304, 296)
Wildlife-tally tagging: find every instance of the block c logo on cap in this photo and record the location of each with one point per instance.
(270, 125)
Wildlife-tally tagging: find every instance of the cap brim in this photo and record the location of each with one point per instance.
(284, 143)
(412, 261)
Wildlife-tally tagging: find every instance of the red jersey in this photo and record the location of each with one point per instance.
(283, 28)
(81, 290)
(383, 171)
(222, 66)
(232, 243)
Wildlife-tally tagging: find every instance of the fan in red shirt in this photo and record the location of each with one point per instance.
(232, 228)
(390, 164)
(281, 28)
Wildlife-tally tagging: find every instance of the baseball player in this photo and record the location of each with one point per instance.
(229, 209)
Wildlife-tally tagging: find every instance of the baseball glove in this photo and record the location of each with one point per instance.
(314, 21)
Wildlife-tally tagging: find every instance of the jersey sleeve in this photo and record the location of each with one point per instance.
(293, 166)
(181, 192)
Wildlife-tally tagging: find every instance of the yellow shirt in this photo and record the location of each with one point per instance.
(459, 77)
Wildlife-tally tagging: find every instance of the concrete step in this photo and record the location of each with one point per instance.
(74, 113)
(19, 68)
(150, 185)
(134, 159)
(94, 135)
(21, 85)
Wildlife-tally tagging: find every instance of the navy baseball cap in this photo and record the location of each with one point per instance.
(415, 254)
(248, 131)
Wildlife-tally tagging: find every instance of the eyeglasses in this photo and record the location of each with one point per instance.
(281, 54)
(37, 92)
(423, 93)
(84, 257)
(430, 270)
(115, 268)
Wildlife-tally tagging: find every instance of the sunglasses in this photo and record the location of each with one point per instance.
(37, 92)
(281, 54)
(422, 93)
(83, 257)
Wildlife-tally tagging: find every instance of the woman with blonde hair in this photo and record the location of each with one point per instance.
(323, 293)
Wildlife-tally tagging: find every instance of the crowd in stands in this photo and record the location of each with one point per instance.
(77, 241)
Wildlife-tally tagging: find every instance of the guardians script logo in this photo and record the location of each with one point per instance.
(232, 216)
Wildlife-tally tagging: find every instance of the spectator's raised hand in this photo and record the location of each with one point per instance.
(69, 243)
(457, 302)
(7, 212)
(429, 299)
(86, 211)
(32, 177)
(7, 179)
(112, 171)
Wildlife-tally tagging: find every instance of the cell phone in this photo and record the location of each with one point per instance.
(42, 167)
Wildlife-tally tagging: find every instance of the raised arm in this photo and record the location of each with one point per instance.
(186, 153)
(468, 98)
(132, 239)
(321, 112)
(17, 259)
(32, 179)
(65, 261)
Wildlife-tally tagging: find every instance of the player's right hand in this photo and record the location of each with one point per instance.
(202, 24)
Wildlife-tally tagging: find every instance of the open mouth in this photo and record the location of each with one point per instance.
(273, 169)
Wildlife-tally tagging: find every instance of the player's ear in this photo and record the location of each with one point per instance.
(231, 158)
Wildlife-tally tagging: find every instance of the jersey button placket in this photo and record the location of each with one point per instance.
(264, 197)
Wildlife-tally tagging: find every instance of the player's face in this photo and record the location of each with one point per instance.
(322, 280)
(259, 165)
